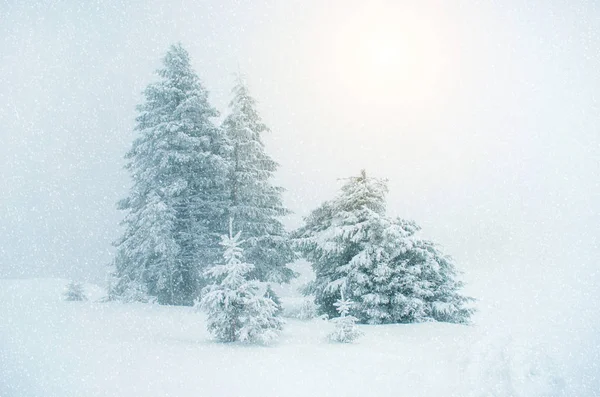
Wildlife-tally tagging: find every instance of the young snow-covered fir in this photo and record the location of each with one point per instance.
(178, 201)
(308, 309)
(269, 293)
(345, 330)
(236, 309)
(75, 292)
(256, 204)
(390, 274)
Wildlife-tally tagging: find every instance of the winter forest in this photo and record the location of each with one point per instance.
(299, 199)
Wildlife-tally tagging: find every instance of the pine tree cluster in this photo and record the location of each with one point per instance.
(189, 177)
(194, 182)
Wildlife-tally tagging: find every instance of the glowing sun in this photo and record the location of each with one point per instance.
(386, 52)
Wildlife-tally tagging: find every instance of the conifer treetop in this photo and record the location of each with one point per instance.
(362, 190)
(243, 109)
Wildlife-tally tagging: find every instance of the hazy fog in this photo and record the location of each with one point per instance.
(485, 117)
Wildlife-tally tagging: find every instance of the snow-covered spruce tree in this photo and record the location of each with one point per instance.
(177, 205)
(75, 292)
(390, 274)
(236, 309)
(345, 330)
(256, 204)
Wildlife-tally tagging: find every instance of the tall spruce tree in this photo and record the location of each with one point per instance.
(256, 204)
(377, 261)
(176, 208)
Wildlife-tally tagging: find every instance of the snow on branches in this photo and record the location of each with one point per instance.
(236, 310)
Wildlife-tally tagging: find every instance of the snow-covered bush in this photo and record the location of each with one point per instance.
(308, 309)
(345, 330)
(236, 309)
(75, 292)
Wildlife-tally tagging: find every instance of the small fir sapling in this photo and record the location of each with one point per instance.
(236, 310)
(308, 310)
(345, 330)
(75, 292)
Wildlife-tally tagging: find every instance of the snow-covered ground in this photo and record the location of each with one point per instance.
(49, 347)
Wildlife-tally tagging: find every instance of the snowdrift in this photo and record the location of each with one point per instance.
(53, 348)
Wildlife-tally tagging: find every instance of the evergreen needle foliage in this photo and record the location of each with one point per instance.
(177, 205)
(256, 204)
(236, 310)
(392, 275)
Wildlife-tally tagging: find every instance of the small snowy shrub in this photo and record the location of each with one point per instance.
(308, 310)
(74, 292)
(236, 310)
(345, 330)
